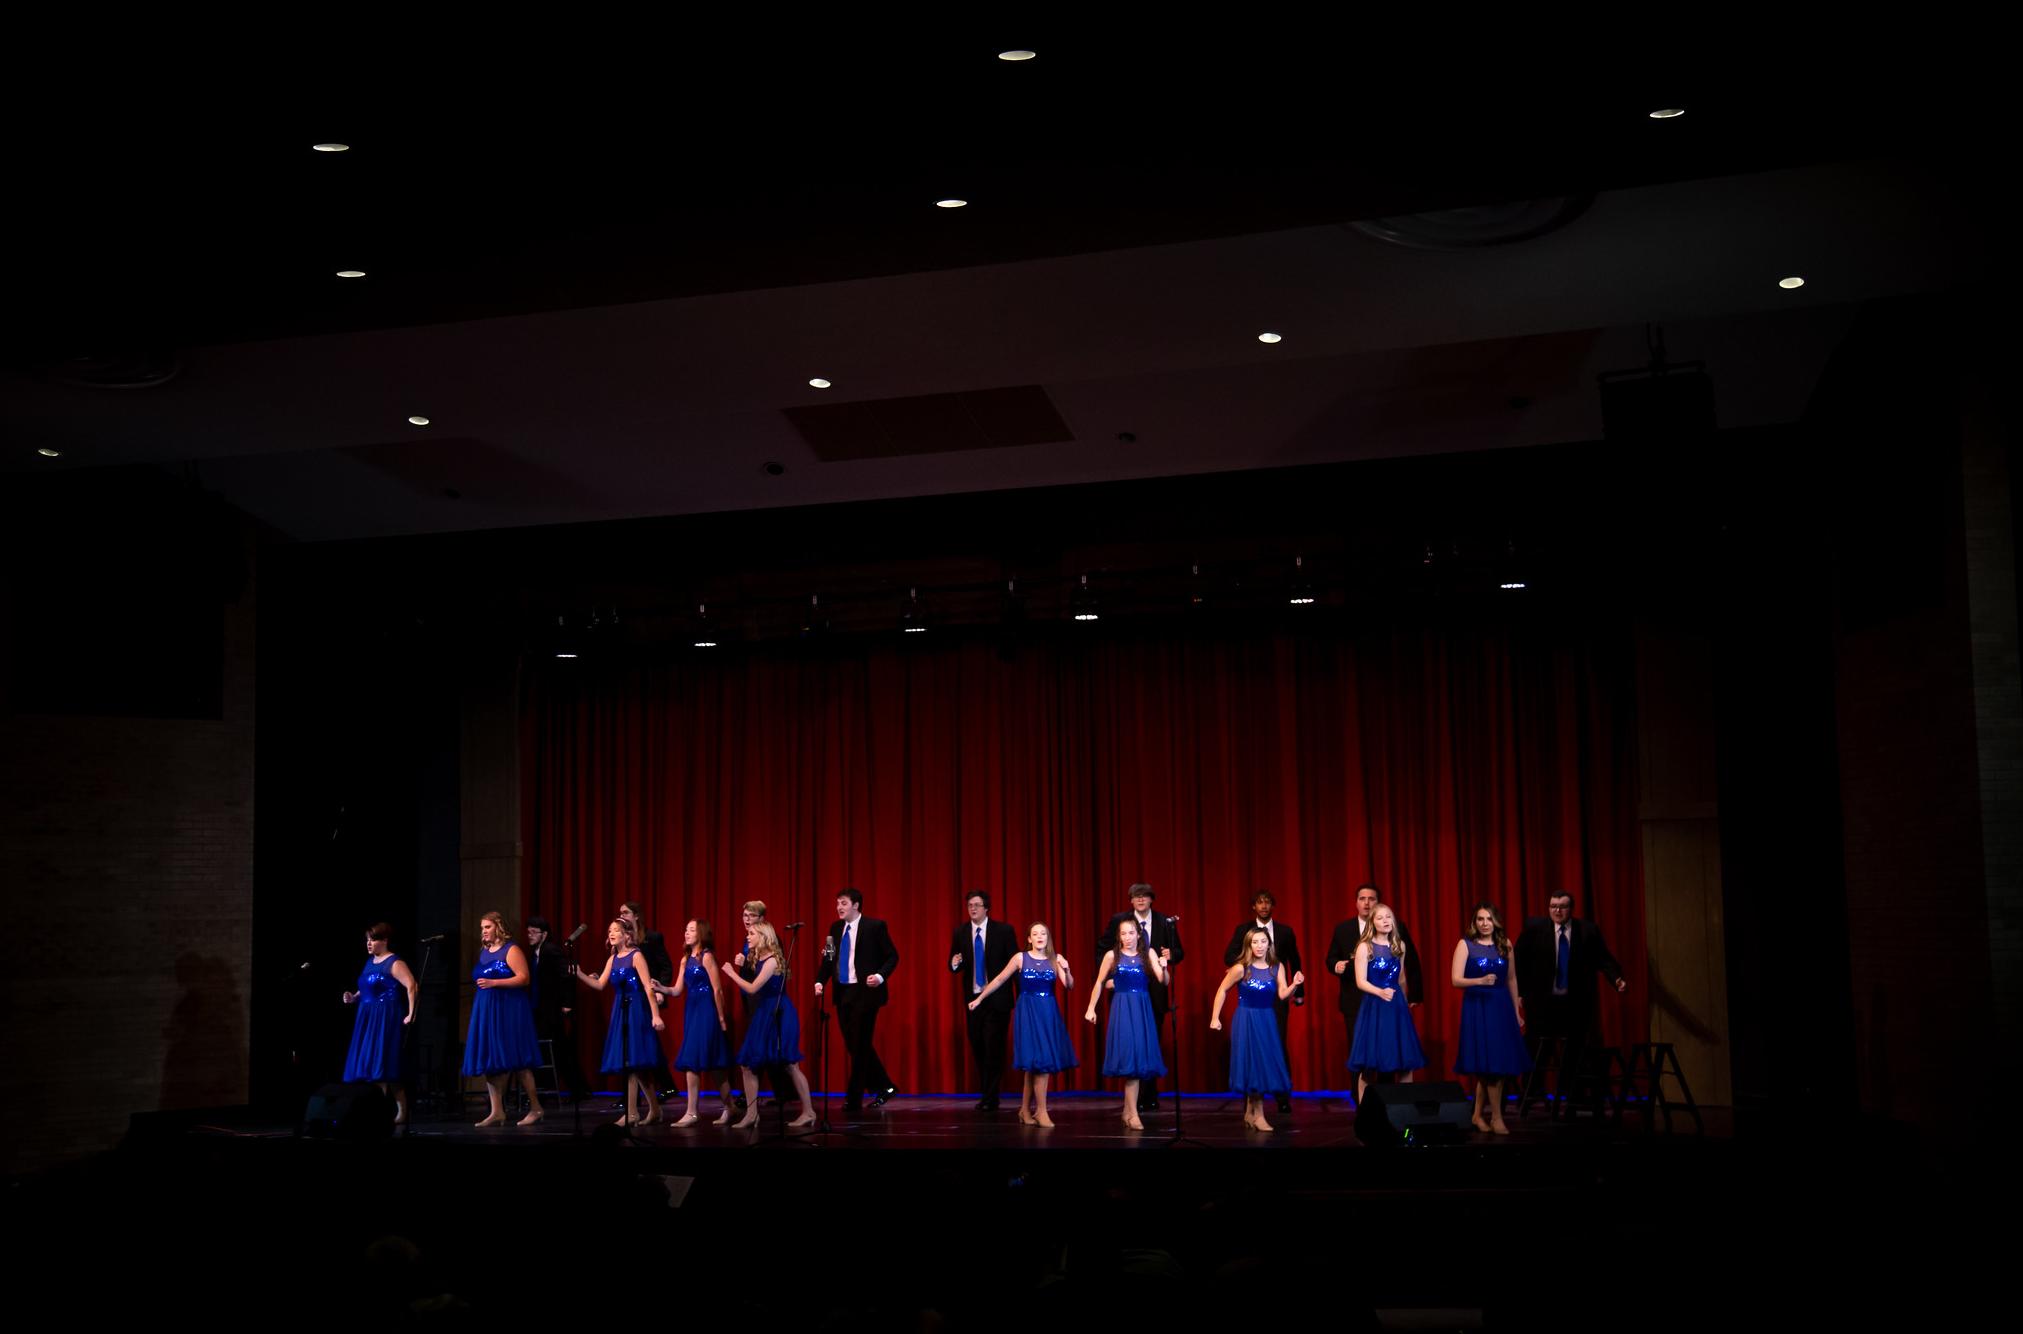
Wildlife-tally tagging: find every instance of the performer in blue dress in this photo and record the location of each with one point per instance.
(377, 1035)
(1492, 1034)
(500, 1042)
(1040, 1045)
(1386, 1044)
(1256, 1061)
(773, 1031)
(630, 1047)
(1131, 1047)
(705, 1024)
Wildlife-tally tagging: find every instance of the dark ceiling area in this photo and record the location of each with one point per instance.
(607, 282)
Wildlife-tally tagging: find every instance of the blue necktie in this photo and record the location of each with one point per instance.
(843, 963)
(1559, 978)
(977, 955)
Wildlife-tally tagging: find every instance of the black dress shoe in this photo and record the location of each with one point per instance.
(887, 1096)
(1285, 1106)
(1148, 1104)
(987, 1105)
(853, 1108)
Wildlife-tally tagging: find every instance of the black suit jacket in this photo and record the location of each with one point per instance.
(875, 954)
(1342, 947)
(1165, 936)
(1000, 942)
(552, 988)
(659, 963)
(1587, 955)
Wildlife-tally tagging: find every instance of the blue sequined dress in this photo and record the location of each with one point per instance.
(703, 1044)
(375, 1033)
(1256, 1065)
(773, 1033)
(630, 1044)
(1385, 1040)
(1040, 1043)
(1491, 1042)
(501, 1038)
(1131, 1047)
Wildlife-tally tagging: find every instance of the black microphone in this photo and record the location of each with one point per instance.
(434, 940)
(577, 934)
(795, 926)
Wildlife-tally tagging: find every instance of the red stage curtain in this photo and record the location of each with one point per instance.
(1446, 763)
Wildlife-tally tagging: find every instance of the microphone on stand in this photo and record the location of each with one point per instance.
(795, 926)
(433, 940)
(577, 934)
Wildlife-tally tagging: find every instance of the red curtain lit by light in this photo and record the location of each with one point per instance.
(1447, 763)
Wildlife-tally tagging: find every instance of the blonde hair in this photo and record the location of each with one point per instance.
(1396, 942)
(498, 920)
(769, 945)
(756, 907)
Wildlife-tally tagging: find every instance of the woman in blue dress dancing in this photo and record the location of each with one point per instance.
(1256, 1063)
(705, 1024)
(1131, 1046)
(773, 1032)
(500, 1043)
(630, 1045)
(1386, 1044)
(1040, 1045)
(376, 1037)
(1492, 1034)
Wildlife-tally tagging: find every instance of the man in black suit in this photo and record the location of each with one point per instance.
(660, 967)
(1285, 945)
(979, 951)
(1342, 958)
(1159, 933)
(553, 990)
(860, 957)
(1558, 957)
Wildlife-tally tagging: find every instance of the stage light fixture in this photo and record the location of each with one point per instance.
(331, 148)
(951, 203)
(418, 421)
(565, 655)
(1302, 591)
(1792, 282)
(46, 452)
(911, 620)
(819, 383)
(351, 273)
(1269, 338)
(1668, 113)
(704, 636)
(1016, 54)
(1514, 583)
(1083, 605)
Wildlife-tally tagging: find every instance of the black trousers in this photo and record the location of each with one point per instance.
(987, 1030)
(858, 1018)
(1548, 1017)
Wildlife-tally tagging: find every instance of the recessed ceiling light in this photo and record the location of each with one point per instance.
(1016, 55)
(819, 383)
(1518, 584)
(419, 421)
(705, 643)
(916, 629)
(1267, 338)
(1788, 283)
(1668, 113)
(331, 148)
(951, 203)
(1086, 616)
(351, 273)
(48, 453)
(1302, 601)
(565, 655)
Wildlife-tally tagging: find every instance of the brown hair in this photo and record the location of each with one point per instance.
(1497, 936)
(379, 931)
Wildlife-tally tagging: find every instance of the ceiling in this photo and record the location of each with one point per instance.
(606, 304)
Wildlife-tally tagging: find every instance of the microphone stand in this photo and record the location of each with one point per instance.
(569, 972)
(1179, 1098)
